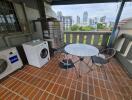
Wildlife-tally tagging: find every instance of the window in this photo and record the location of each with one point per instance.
(8, 19)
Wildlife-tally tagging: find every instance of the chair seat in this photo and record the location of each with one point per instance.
(99, 60)
(102, 56)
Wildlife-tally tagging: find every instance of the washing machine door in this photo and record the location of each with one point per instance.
(44, 53)
(3, 65)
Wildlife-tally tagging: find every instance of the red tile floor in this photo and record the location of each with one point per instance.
(53, 83)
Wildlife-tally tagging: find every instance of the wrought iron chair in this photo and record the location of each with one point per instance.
(65, 61)
(103, 57)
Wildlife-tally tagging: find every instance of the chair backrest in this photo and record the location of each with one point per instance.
(109, 53)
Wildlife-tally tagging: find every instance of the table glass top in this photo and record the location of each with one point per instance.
(82, 50)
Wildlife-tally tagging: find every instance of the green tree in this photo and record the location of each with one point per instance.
(74, 27)
(81, 28)
(86, 28)
(101, 26)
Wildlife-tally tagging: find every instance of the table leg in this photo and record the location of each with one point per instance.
(79, 69)
(81, 59)
(89, 60)
(77, 73)
(87, 65)
(76, 61)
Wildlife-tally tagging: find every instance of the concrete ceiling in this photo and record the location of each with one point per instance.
(66, 2)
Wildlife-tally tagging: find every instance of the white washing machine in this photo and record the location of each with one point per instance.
(37, 52)
(9, 61)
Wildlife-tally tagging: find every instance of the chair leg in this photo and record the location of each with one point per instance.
(103, 67)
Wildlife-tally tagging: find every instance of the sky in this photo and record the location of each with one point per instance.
(95, 10)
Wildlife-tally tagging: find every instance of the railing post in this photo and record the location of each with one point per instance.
(100, 38)
(113, 34)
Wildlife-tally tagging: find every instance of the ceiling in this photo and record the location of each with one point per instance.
(66, 2)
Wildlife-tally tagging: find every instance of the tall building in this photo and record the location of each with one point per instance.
(91, 22)
(95, 20)
(111, 24)
(59, 16)
(102, 19)
(67, 22)
(85, 18)
(78, 20)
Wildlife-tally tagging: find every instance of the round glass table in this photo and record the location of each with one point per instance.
(81, 51)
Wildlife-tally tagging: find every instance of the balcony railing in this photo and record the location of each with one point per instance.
(98, 39)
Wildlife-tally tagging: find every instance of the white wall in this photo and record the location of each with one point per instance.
(33, 14)
(21, 17)
(119, 40)
(49, 11)
(127, 26)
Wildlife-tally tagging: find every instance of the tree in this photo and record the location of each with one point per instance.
(81, 28)
(86, 28)
(74, 27)
(101, 26)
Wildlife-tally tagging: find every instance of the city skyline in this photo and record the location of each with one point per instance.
(91, 22)
(85, 20)
(95, 10)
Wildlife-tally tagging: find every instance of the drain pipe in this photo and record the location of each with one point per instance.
(113, 34)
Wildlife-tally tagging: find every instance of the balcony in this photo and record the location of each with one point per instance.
(53, 83)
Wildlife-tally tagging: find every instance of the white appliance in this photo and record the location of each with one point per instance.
(37, 52)
(9, 61)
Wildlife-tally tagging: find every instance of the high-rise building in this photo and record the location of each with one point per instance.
(102, 19)
(95, 20)
(111, 24)
(59, 16)
(85, 18)
(67, 22)
(91, 22)
(78, 20)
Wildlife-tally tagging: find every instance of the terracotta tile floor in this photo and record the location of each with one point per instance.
(53, 83)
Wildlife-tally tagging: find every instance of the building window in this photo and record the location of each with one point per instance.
(8, 19)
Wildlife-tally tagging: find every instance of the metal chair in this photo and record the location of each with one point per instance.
(65, 62)
(60, 49)
(103, 57)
